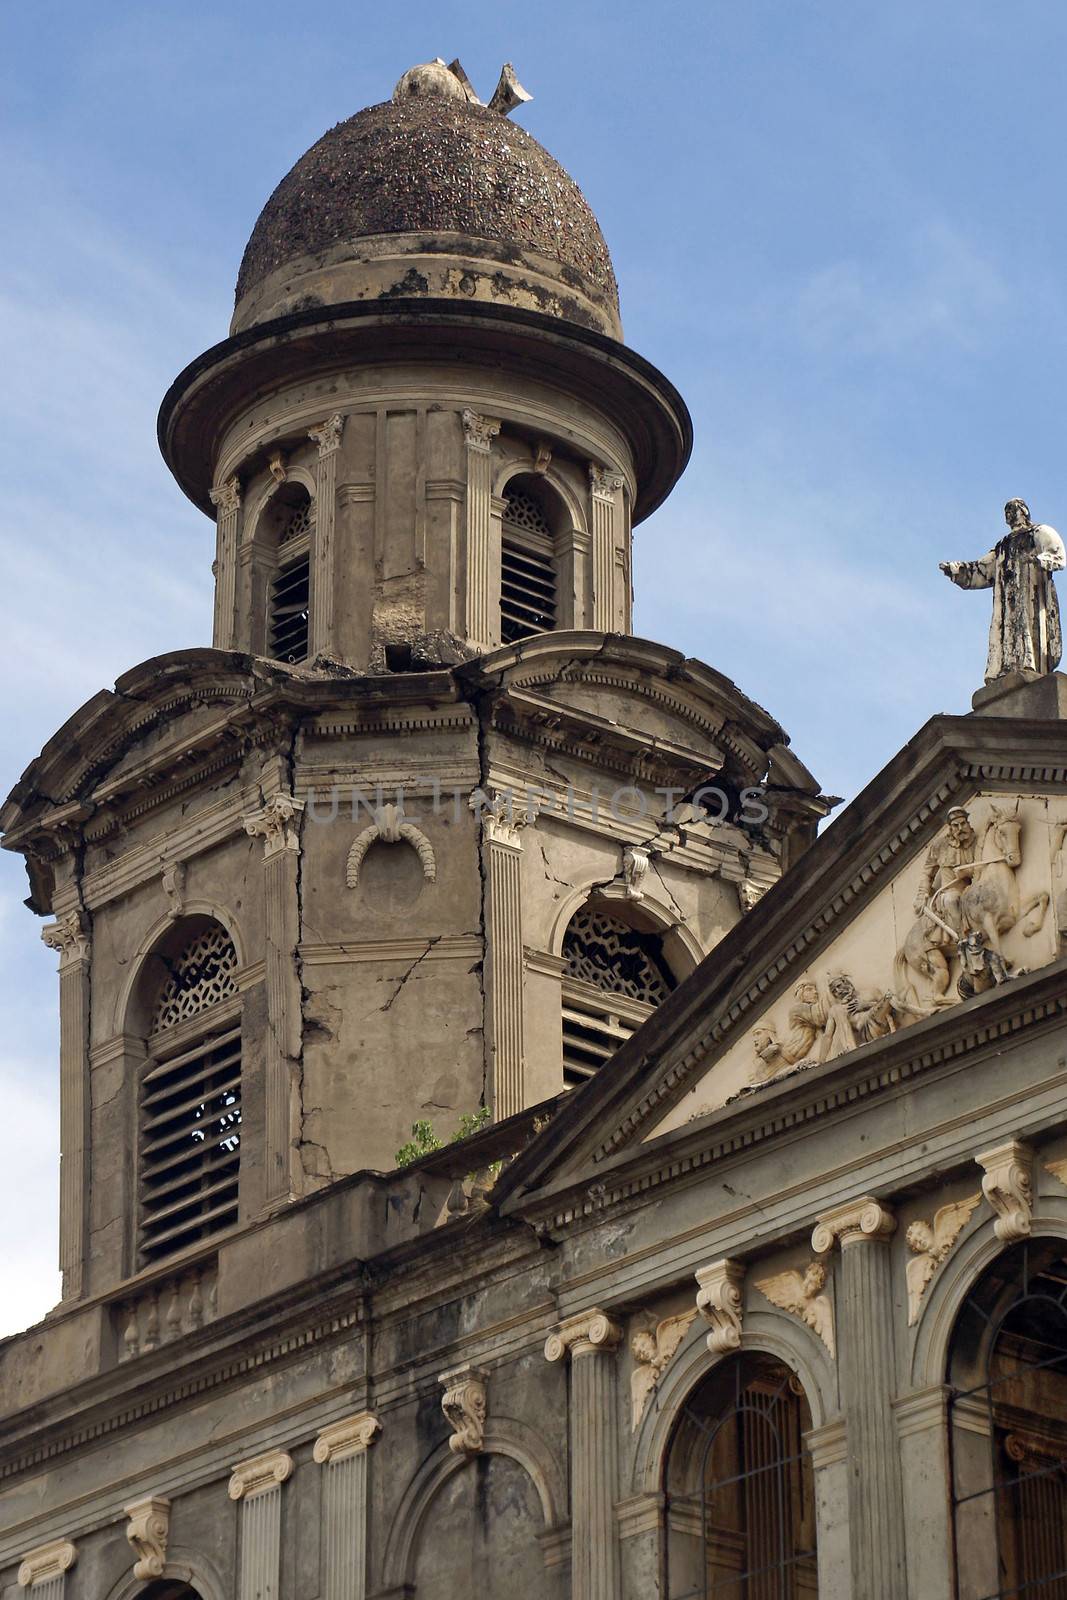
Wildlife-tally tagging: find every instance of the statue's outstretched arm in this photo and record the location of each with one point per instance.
(972, 574)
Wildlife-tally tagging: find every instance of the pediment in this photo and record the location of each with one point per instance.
(759, 1012)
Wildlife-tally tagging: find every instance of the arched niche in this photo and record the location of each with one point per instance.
(276, 559)
(543, 557)
(462, 1525)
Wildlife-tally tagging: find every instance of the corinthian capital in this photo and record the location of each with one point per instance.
(857, 1219)
(327, 435)
(227, 497)
(585, 1334)
(68, 936)
(274, 824)
(480, 431)
(604, 482)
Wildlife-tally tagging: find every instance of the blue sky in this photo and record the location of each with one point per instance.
(837, 225)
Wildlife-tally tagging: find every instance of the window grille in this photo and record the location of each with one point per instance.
(190, 1102)
(528, 599)
(740, 1494)
(615, 977)
(298, 523)
(1008, 1428)
(289, 597)
(199, 977)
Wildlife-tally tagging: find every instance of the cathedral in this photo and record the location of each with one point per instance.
(509, 1144)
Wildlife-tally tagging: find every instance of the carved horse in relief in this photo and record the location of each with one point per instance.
(991, 902)
(990, 905)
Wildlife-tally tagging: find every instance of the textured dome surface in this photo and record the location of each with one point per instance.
(432, 164)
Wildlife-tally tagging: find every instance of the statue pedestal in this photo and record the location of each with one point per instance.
(1040, 697)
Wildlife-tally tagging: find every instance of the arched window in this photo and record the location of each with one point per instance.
(615, 976)
(189, 1109)
(1008, 1428)
(292, 514)
(529, 575)
(739, 1488)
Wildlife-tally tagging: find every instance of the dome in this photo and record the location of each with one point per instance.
(429, 195)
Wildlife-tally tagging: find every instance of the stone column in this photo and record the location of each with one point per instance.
(865, 1323)
(828, 1448)
(257, 1485)
(44, 1571)
(276, 825)
(69, 936)
(227, 503)
(321, 640)
(591, 1340)
(342, 1449)
(504, 963)
(483, 597)
(605, 487)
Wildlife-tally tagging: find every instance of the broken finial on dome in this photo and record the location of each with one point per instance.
(508, 93)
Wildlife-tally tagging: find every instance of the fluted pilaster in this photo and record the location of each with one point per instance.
(227, 503)
(483, 599)
(44, 1571)
(591, 1340)
(276, 824)
(605, 487)
(503, 850)
(865, 1337)
(69, 936)
(322, 638)
(341, 1449)
(257, 1484)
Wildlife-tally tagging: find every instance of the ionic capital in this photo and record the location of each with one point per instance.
(327, 435)
(69, 937)
(46, 1562)
(603, 482)
(350, 1437)
(147, 1530)
(259, 1474)
(464, 1403)
(1008, 1186)
(856, 1220)
(589, 1333)
(275, 824)
(479, 431)
(227, 497)
(721, 1303)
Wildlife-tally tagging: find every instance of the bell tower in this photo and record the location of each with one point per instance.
(426, 833)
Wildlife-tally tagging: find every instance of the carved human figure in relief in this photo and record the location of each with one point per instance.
(806, 1020)
(947, 870)
(855, 1018)
(1024, 635)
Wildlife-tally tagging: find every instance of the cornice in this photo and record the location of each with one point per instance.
(1037, 1001)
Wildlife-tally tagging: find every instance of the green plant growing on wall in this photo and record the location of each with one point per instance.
(424, 1141)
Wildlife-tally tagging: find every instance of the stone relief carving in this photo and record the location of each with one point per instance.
(465, 1403)
(801, 1294)
(720, 1302)
(652, 1349)
(390, 827)
(147, 1530)
(1008, 1186)
(930, 1244)
(968, 900)
(1024, 635)
(276, 466)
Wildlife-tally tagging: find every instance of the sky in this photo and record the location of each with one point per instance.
(837, 226)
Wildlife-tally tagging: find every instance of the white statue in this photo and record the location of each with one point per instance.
(1024, 635)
